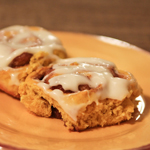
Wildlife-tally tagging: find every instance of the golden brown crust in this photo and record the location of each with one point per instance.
(34, 102)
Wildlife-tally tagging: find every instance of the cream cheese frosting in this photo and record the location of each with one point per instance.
(15, 40)
(93, 72)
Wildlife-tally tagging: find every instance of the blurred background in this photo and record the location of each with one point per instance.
(127, 20)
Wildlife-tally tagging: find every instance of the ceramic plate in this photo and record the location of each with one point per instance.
(20, 129)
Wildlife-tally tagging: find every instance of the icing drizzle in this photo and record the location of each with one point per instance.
(94, 72)
(15, 40)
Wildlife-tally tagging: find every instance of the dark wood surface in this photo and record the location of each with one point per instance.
(127, 20)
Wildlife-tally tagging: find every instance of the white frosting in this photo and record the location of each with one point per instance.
(93, 72)
(86, 61)
(25, 39)
(71, 110)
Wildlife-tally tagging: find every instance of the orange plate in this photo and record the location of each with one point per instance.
(20, 129)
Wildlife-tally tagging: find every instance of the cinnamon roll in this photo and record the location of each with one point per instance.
(23, 49)
(87, 92)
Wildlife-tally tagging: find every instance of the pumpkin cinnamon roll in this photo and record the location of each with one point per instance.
(86, 92)
(23, 49)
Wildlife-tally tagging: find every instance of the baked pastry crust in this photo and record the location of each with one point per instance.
(93, 104)
(23, 49)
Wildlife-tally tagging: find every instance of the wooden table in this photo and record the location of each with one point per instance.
(127, 20)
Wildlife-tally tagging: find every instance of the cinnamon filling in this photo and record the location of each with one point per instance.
(56, 113)
(80, 88)
(21, 60)
(59, 87)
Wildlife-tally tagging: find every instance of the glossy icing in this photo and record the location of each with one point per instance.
(15, 40)
(94, 72)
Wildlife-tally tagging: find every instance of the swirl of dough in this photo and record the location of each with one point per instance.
(69, 77)
(16, 40)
